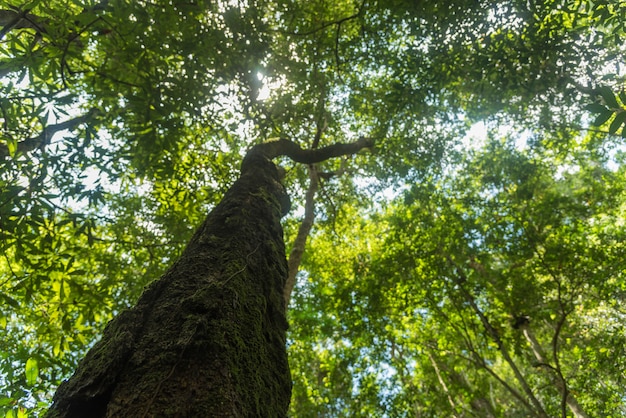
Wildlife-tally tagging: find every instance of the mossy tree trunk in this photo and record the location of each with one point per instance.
(208, 338)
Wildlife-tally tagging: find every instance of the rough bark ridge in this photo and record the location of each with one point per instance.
(208, 338)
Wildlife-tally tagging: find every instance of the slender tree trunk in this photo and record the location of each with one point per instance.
(555, 374)
(295, 257)
(493, 333)
(208, 338)
(442, 382)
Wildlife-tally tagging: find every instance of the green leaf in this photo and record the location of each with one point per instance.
(32, 371)
(12, 147)
(602, 118)
(10, 301)
(608, 96)
(596, 108)
(619, 120)
(108, 204)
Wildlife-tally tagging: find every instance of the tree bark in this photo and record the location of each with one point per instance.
(295, 257)
(208, 338)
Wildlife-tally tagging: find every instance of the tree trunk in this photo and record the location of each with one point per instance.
(208, 338)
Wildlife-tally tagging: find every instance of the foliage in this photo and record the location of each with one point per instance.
(123, 122)
(425, 304)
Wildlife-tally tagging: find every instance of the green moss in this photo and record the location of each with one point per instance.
(208, 338)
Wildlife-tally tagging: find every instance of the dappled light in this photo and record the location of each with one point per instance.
(457, 190)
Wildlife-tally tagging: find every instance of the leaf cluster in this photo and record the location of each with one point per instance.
(122, 122)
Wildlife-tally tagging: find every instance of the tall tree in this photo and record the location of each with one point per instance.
(122, 123)
(208, 338)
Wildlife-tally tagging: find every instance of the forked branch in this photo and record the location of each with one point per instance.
(285, 147)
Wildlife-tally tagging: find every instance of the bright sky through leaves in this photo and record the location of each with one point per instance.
(486, 224)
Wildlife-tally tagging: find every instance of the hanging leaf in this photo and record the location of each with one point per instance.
(602, 118)
(11, 146)
(608, 96)
(32, 371)
(596, 108)
(619, 120)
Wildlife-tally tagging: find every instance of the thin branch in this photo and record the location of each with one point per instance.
(442, 382)
(72, 38)
(46, 134)
(13, 274)
(321, 126)
(324, 25)
(11, 19)
(477, 357)
(336, 49)
(495, 336)
(558, 379)
(113, 79)
(557, 376)
(512, 390)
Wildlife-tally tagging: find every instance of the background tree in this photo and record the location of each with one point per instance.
(124, 122)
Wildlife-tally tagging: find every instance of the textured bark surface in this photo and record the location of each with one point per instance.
(208, 338)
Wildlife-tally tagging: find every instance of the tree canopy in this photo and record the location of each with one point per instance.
(471, 264)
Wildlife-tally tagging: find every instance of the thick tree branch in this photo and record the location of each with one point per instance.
(292, 150)
(285, 147)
